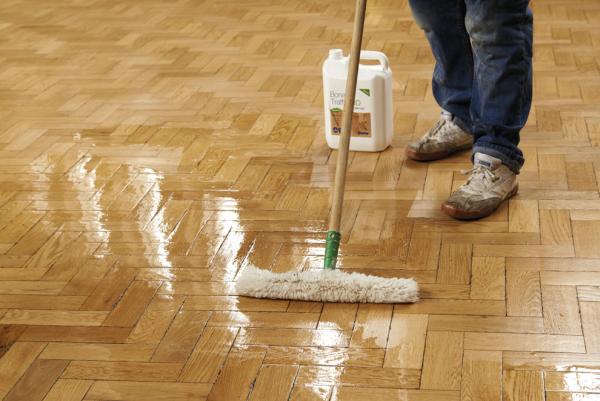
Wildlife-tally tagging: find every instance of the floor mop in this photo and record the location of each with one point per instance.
(329, 284)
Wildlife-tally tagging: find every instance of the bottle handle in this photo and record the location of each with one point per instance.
(377, 56)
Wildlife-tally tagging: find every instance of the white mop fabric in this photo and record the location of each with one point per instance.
(325, 286)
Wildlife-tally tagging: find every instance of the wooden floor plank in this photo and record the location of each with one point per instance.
(37, 380)
(443, 361)
(561, 310)
(124, 390)
(274, 382)
(482, 376)
(68, 390)
(15, 363)
(590, 316)
(238, 375)
(406, 342)
(523, 385)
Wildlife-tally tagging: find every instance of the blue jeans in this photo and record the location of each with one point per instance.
(482, 75)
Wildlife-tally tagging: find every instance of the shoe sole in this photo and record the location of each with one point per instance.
(427, 157)
(465, 215)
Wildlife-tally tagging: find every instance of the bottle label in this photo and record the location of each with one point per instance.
(361, 123)
(361, 117)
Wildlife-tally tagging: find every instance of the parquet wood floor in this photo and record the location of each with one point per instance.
(148, 149)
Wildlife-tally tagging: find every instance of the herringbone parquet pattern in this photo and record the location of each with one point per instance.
(148, 149)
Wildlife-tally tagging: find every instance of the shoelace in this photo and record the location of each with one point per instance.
(439, 131)
(479, 181)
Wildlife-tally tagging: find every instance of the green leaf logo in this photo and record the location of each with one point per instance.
(336, 109)
(366, 91)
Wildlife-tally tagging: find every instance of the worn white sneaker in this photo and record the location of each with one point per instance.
(490, 183)
(443, 139)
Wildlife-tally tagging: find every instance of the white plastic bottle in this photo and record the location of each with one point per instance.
(372, 121)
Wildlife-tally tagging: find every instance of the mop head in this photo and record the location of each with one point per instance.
(325, 286)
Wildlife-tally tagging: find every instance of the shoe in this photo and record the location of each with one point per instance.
(443, 139)
(490, 183)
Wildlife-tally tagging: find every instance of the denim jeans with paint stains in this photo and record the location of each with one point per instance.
(483, 51)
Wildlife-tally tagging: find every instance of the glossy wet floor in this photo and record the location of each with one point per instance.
(149, 149)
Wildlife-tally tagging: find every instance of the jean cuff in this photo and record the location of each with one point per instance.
(462, 124)
(513, 164)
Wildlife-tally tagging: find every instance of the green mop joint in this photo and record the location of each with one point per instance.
(332, 245)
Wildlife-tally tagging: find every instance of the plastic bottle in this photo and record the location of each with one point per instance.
(372, 122)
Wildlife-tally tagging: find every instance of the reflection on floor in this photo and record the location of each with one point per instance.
(149, 149)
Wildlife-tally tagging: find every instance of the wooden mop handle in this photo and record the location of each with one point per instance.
(344, 144)
(333, 235)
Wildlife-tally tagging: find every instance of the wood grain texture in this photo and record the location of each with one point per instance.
(482, 376)
(488, 278)
(37, 380)
(523, 385)
(68, 390)
(443, 361)
(523, 293)
(236, 379)
(274, 382)
(590, 316)
(371, 326)
(561, 310)
(406, 342)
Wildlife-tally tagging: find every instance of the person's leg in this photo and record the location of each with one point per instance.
(501, 38)
(500, 33)
(444, 26)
